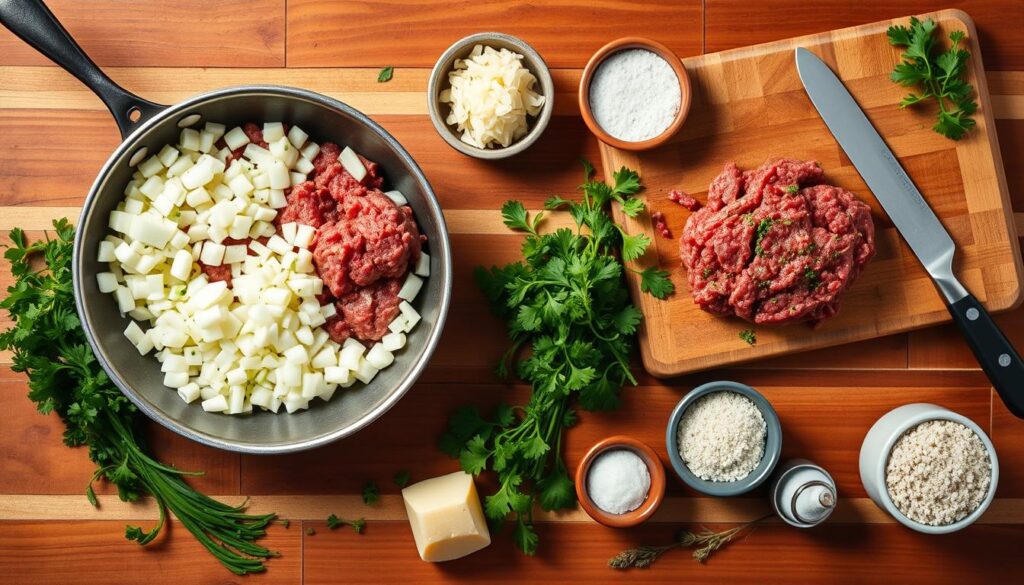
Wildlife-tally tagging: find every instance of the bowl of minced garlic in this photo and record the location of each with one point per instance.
(490, 95)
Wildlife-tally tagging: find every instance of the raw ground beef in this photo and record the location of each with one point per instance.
(364, 247)
(775, 244)
(660, 225)
(684, 199)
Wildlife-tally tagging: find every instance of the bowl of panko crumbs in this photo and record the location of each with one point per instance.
(723, 439)
(932, 469)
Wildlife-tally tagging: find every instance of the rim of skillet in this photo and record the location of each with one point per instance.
(444, 252)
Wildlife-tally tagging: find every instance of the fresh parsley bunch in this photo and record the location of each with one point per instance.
(64, 377)
(939, 74)
(566, 302)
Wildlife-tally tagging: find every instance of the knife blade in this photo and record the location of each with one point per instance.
(916, 222)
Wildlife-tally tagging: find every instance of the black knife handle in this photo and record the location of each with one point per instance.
(993, 350)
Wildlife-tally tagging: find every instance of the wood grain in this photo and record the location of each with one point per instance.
(35, 460)
(53, 88)
(206, 33)
(737, 23)
(749, 106)
(771, 554)
(95, 552)
(565, 32)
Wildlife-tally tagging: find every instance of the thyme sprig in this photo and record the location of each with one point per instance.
(704, 542)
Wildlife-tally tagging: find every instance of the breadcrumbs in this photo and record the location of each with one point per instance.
(938, 473)
(721, 436)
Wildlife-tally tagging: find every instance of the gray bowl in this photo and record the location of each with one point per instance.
(882, 437)
(772, 448)
(439, 81)
(139, 376)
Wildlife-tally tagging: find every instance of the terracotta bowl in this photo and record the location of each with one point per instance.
(654, 496)
(656, 48)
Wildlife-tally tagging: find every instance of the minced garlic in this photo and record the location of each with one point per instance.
(491, 95)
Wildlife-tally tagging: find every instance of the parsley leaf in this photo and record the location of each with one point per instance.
(749, 336)
(401, 478)
(939, 74)
(333, 522)
(371, 493)
(385, 74)
(632, 207)
(656, 282)
(514, 214)
(634, 246)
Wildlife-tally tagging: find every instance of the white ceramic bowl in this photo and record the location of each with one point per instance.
(874, 456)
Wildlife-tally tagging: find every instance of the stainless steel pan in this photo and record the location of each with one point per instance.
(145, 125)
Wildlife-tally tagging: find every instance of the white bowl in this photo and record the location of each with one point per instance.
(878, 444)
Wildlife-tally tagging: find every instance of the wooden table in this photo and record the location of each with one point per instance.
(55, 135)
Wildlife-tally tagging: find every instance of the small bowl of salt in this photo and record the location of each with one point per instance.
(620, 482)
(634, 94)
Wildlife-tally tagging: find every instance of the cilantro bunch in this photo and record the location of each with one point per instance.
(64, 377)
(567, 304)
(939, 74)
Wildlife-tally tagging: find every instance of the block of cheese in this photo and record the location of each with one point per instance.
(446, 517)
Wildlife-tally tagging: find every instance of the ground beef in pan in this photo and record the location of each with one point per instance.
(775, 244)
(366, 312)
(364, 246)
(373, 239)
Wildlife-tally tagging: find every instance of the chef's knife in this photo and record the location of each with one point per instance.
(915, 221)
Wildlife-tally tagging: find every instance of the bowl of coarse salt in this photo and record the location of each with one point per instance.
(932, 469)
(620, 482)
(634, 94)
(723, 439)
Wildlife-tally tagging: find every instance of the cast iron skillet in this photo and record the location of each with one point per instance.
(145, 125)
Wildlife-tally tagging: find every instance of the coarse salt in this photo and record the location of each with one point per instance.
(938, 472)
(721, 436)
(618, 481)
(635, 95)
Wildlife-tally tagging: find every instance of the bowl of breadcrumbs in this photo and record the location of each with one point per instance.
(932, 469)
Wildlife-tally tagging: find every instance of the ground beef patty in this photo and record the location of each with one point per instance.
(775, 244)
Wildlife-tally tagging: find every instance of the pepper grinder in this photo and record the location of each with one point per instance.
(803, 494)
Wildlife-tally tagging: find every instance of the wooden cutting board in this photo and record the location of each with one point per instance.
(749, 106)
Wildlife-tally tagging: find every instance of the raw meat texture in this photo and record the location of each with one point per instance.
(775, 244)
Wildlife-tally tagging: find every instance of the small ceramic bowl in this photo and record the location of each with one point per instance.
(439, 81)
(634, 43)
(654, 496)
(878, 444)
(772, 447)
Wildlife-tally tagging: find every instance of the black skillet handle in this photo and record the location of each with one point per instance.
(36, 25)
(994, 352)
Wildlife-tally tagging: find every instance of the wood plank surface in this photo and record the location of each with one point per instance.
(182, 33)
(566, 32)
(58, 135)
(748, 107)
(95, 552)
